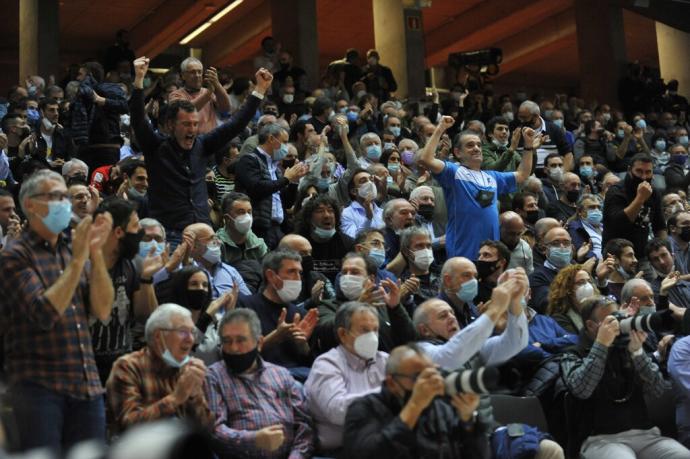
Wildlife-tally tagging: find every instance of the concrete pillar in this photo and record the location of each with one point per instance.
(39, 34)
(399, 38)
(294, 25)
(674, 48)
(601, 49)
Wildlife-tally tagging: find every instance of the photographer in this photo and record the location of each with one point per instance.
(409, 418)
(608, 380)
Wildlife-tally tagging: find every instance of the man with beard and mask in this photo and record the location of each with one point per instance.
(608, 382)
(161, 381)
(566, 206)
(362, 213)
(494, 258)
(625, 262)
(238, 240)
(353, 369)
(512, 229)
(286, 327)
(526, 205)
(558, 249)
(259, 409)
(677, 291)
(411, 418)
(261, 179)
(134, 293)
(16, 129)
(632, 208)
(500, 152)
(679, 227)
(357, 281)
(553, 137)
(423, 200)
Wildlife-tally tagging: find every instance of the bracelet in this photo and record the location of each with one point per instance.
(146, 281)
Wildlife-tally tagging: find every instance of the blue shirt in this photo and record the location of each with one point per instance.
(468, 222)
(354, 219)
(679, 369)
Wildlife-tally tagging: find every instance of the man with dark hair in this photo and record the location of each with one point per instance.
(236, 236)
(16, 129)
(349, 67)
(321, 111)
(679, 229)
(176, 165)
(632, 207)
(362, 213)
(660, 255)
(299, 133)
(136, 183)
(499, 153)
(378, 78)
(625, 262)
(51, 144)
(494, 258)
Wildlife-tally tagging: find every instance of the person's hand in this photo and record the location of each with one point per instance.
(500, 300)
(141, 66)
(270, 438)
(14, 227)
(371, 294)
(465, 405)
(228, 300)
(632, 307)
(283, 330)
(296, 172)
(584, 250)
(317, 291)
(152, 264)
(324, 135)
(3, 140)
(264, 78)
(664, 346)
(366, 112)
(392, 297)
(637, 339)
(308, 323)
(638, 133)
(529, 135)
(669, 282)
(423, 178)
(122, 189)
(99, 231)
(181, 253)
(409, 287)
(628, 130)
(515, 139)
(343, 127)
(589, 265)
(211, 78)
(677, 312)
(429, 384)
(446, 123)
(608, 330)
(191, 379)
(463, 96)
(606, 267)
(644, 191)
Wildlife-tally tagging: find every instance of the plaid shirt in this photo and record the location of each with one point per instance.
(42, 346)
(249, 402)
(137, 387)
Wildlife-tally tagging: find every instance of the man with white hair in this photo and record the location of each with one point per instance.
(432, 215)
(529, 115)
(209, 99)
(161, 380)
(75, 169)
(371, 150)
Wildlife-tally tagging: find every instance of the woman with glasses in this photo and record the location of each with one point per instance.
(569, 289)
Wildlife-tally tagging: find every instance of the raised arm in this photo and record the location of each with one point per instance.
(532, 141)
(146, 136)
(428, 156)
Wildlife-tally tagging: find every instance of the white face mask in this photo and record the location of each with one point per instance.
(498, 143)
(290, 291)
(584, 291)
(288, 98)
(556, 174)
(366, 345)
(212, 254)
(367, 191)
(423, 258)
(352, 286)
(243, 223)
(47, 125)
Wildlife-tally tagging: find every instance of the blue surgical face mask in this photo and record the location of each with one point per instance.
(641, 124)
(378, 255)
(558, 123)
(170, 360)
(323, 233)
(374, 152)
(683, 140)
(594, 216)
(145, 248)
(281, 152)
(59, 216)
(323, 183)
(33, 115)
(393, 167)
(586, 171)
(559, 256)
(352, 116)
(396, 131)
(620, 133)
(660, 145)
(468, 290)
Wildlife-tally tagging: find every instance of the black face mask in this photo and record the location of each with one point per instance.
(633, 181)
(685, 234)
(239, 363)
(288, 163)
(307, 263)
(485, 268)
(77, 178)
(129, 244)
(197, 299)
(572, 195)
(426, 211)
(532, 216)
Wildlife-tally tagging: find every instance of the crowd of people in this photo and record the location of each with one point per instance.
(295, 270)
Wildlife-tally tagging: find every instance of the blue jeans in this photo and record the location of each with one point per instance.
(46, 419)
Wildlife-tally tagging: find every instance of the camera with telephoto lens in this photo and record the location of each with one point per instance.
(654, 322)
(482, 380)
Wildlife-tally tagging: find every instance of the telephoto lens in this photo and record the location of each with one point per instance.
(482, 380)
(652, 322)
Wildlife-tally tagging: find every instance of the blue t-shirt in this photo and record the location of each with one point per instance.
(468, 222)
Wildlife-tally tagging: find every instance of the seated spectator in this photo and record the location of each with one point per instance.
(362, 213)
(319, 223)
(679, 370)
(676, 174)
(416, 261)
(238, 242)
(679, 237)
(379, 425)
(347, 372)
(608, 382)
(585, 227)
(398, 214)
(625, 263)
(671, 204)
(512, 228)
(357, 282)
(493, 261)
(259, 408)
(569, 289)
(565, 207)
(75, 169)
(675, 290)
(558, 248)
(161, 380)
(424, 200)
(370, 243)
(459, 287)
(285, 334)
(526, 205)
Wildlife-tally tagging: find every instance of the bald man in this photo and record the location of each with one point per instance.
(512, 228)
(315, 286)
(542, 227)
(566, 206)
(558, 248)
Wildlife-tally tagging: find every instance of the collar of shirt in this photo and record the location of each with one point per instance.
(543, 125)
(550, 266)
(268, 157)
(354, 361)
(360, 208)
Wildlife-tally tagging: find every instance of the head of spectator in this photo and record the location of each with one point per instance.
(357, 329)
(423, 200)
(660, 255)
(508, 111)
(125, 235)
(16, 93)
(624, 256)
(398, 214)
(682, 137)
(273, 140)
(467, 148)
(319, 219)
(641, 169)
(153, 238)
(641, 290)
(237, 216)
(543, 226)
(300, 132)
(498, 131)
(170, 334)
(606, 183)
(391, 159)
(190, 286)
(493, 260)
(45, 203)
(322, 109)
(182, 122)
(594, 311)
(370, 146)
(546, 107)
(415, 246)
(8, 210)
(241, 340)
(394, 124)
(512, 227)
(434, 319)
(679, 228)
(585, 168)
(553, 168)
(75, 170)
(282, 276)
(302, 246)
(49, 111)
(571, 286)
(56, 93)
(135, 175)
(459, 280)
(526, 205)
(15, 127)
(371, 243)
(356, 270)
(557, 246)
(589, 209)
(529, 114)
(192, 73)
(679, 154)
(408, 148)
(206, 248)
(81, 198)
(361, 187)
(558, 119)
(91, 69)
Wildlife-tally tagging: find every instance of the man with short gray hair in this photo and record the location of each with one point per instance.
(209, 99)
(161, 380)
(529, 115)
(75, 169)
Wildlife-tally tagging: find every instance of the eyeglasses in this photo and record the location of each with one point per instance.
(52, 196)
(184, 333)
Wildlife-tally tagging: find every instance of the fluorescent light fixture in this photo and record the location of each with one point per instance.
(208, 23)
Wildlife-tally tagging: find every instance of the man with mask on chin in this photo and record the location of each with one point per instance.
(135, 297)
(286, 327)
(411, 418)
(500, 153)
(259, 409)
(161, 380)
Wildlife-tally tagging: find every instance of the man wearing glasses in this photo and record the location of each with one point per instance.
(54, 387)
(161, 380)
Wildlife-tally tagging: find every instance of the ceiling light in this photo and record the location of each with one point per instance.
(208, 23)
